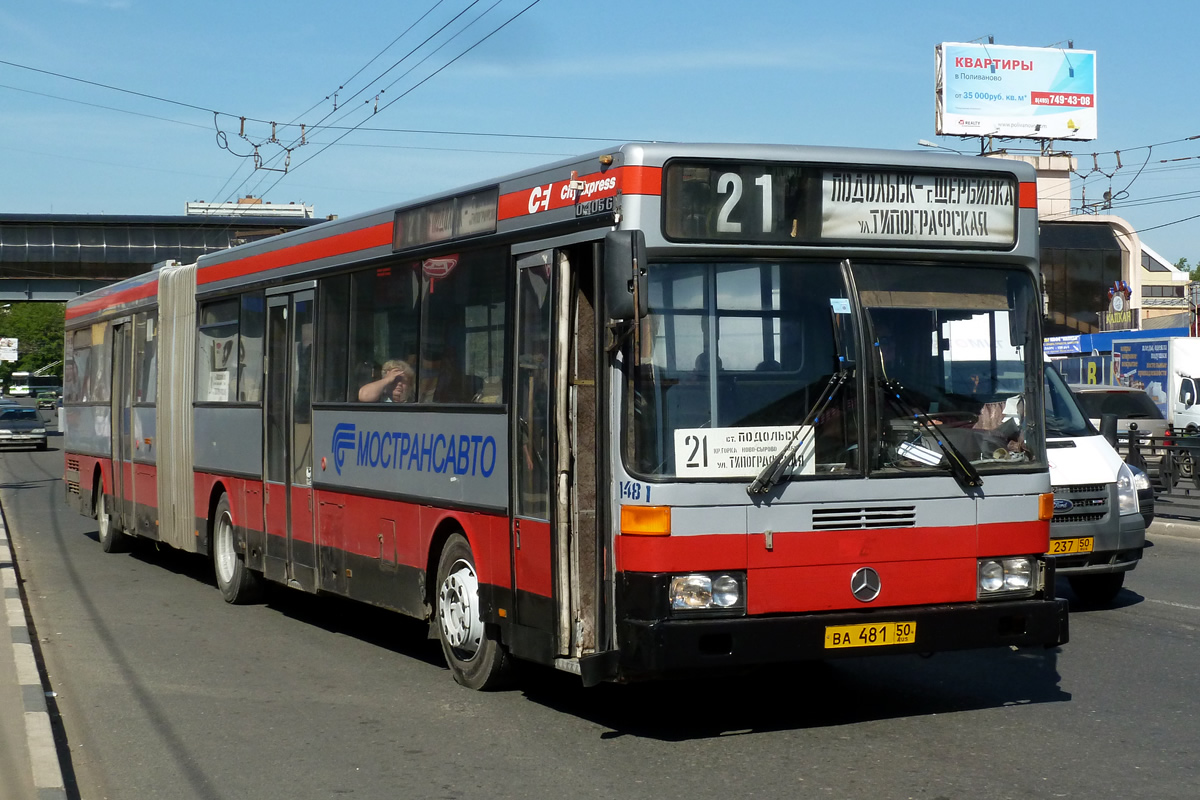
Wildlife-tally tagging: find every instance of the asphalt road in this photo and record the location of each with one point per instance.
(164, 691)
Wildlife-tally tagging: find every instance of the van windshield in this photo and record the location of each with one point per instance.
(1063, 415)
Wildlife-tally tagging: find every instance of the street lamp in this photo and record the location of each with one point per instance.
(936, 146)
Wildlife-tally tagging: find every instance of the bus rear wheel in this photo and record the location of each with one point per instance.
(112, 539)
(475, 660)
(238, 583)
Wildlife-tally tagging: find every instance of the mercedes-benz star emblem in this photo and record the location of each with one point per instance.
(864, 583)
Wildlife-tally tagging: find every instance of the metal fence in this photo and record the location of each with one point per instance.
(1173, 464)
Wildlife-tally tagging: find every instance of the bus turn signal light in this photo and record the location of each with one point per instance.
(1046, 506)
(646, 520)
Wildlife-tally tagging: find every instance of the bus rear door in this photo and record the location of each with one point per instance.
(287, 467)
(122, 428)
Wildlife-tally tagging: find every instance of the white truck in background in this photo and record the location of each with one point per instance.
(1168, 369)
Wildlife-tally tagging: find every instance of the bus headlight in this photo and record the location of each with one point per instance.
(1007, 577)
(707, 592)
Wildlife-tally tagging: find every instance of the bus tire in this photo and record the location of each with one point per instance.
(1097, 590)
(238, 583)
(112, 539)
(476, 660)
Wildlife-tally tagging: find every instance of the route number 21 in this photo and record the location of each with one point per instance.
(730, 184)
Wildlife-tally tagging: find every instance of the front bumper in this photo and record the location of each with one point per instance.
(19, 440)
(1115, 551)
(652, 648)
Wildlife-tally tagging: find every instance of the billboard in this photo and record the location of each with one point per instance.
(8, 349)
(1017, 92)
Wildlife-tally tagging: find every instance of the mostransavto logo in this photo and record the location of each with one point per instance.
(457, 453)
(343, 440)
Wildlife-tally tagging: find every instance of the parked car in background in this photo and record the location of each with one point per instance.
(1132, 406)
(47, 400)
(22, 426)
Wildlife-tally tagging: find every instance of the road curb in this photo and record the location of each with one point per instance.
(43, 753)
(1186, 528)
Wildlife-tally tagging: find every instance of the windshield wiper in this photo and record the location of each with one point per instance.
(960, 467)
(774, 470)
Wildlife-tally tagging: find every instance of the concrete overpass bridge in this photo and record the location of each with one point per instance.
(55, 257)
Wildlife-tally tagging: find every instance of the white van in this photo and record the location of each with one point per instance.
(1097, 533)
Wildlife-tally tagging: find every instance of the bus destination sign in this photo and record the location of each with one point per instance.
(915, 207)
(801, 204)
(458, 217)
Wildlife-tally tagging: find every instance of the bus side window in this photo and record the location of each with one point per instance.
(250, 348)
(76, 375)
(333, 350)
(145, 358)
(216, 351)
(383, 322)
(462, 347)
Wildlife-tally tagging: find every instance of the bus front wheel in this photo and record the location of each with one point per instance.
(238, 583)
(475, 660)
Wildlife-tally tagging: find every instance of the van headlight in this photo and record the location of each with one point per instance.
(1141, 481)
(1017, 576)
(707, 592)
(1127, 502)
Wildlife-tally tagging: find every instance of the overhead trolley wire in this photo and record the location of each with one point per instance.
(408, 91)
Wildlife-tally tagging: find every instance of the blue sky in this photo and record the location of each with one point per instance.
(849, 73)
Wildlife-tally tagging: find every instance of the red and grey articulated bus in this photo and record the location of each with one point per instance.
(651, 411)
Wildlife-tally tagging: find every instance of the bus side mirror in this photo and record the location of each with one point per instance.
(1022, 316)
(625, 274)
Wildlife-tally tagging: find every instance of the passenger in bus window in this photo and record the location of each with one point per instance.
(396, 386)
(441, 379)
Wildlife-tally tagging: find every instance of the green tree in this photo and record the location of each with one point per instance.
(38, 329)
(1193, 272)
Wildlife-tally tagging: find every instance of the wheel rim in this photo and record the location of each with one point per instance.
(223, 552)
(458, 612)
(102, 516)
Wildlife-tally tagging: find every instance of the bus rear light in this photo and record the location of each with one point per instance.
(1046, 506)
(646, 520)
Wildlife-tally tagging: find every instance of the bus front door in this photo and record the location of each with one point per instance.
(532, 533)
(287, 467)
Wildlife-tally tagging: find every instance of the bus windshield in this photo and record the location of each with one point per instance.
(740, 349)
(739, 360)
(954, 366)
